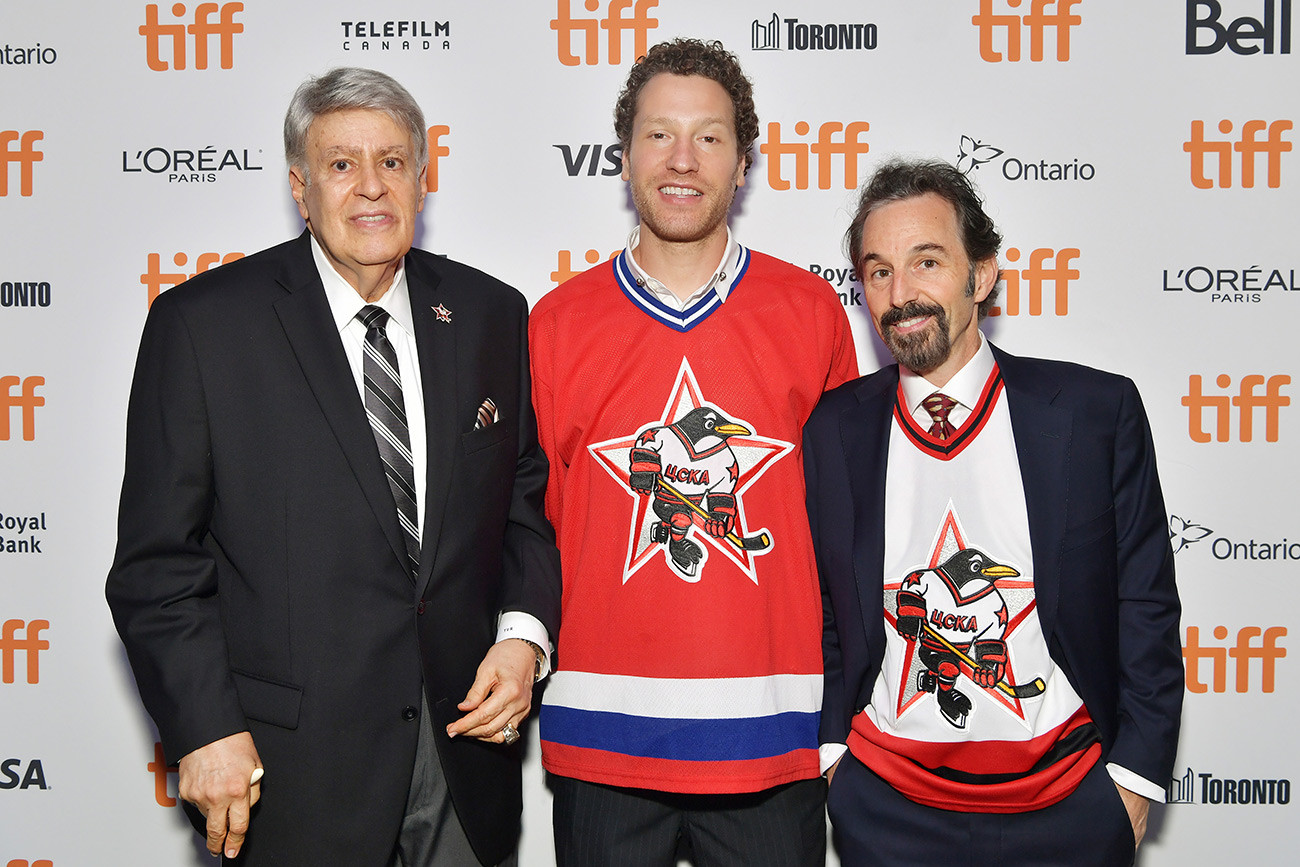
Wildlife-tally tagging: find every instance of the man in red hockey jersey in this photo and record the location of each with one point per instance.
(687, 688)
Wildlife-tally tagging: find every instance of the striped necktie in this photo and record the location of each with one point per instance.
(387, 414)
(938, 405)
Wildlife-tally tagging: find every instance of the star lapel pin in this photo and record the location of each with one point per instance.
(443, 314)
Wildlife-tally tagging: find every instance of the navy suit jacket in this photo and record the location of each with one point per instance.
(260, 581)
(1103, 568)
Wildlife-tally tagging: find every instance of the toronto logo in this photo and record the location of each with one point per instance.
(686, 474)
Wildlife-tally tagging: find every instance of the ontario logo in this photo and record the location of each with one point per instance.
(800, 36)
(1184, 533)
(972, 155)
(686, 474)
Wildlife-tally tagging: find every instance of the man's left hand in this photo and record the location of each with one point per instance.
(502, 692)
(1137, 807)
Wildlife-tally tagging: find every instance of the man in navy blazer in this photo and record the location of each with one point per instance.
(1016, 698)
(338, 686)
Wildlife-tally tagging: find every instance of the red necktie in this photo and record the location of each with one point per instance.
(938, 405)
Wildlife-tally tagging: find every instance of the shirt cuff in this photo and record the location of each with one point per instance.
(521, 624)
(1135, 784)
(829, 754)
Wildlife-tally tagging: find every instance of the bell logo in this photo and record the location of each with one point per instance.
(639, 22)
(155, 280)
(1244, 35)
(564, 269)
(1246, 401)
(31, 644)
(1031, 280)
(1268, 653)
(27, 401)
(27, 156)
(1035, 21)
(826, 149)
(161, 772)
(1248, 146)
(436, 149)
(224, 28)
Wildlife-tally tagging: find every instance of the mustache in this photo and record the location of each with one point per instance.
(910, 310)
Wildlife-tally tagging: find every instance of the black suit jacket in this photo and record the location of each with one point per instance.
(259, 581)
(1103, 569)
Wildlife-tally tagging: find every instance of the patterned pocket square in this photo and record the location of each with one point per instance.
(487, 414)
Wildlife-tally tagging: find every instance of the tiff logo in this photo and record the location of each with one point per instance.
(1245, 35)
(1031, 279)
(11, 645)
(1248, 146)
(564, 269)
(22, 862)
(203, 28)
(161, 772)
(27, 156)
(156, 280)
(1246, 402)
(1036, 21)
(566, 26)
(26, 402)
(1268, 653)
(826, 148)
(436, 149)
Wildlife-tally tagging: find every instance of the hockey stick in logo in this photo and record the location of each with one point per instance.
(757, 542)
(1015, 690)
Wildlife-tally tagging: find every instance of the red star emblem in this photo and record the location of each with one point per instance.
(443, 314)
(754, 454)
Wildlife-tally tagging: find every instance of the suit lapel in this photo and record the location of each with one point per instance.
(1042, 433)
(436, 343)
(309, 325)
(865, 430)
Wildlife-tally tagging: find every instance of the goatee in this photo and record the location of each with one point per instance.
(920, 351)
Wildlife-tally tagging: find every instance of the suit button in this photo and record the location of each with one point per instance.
(409, 713)
(419, 609)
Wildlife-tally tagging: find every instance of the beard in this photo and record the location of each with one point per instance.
(667, 228)
(920, 351)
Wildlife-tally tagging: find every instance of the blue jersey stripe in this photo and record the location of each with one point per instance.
(698, 740)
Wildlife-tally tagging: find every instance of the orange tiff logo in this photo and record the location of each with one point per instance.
(22, 862)
(615, 22)
(202, 29)
(1030, 281)
(156, 280)
(161, 772)
(27, 156)
(834, 140)
(31, 644)
(1246, 401)
(1248, 145)
(1268, 653)
(1035, 23)
(564, 269)
(436, 149)
(27, 401)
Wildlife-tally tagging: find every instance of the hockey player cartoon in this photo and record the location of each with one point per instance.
(691, 472)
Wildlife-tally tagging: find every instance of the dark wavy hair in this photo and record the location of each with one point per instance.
(692, 57)
(900, 179)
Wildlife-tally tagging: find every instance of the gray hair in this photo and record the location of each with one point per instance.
(350, 87)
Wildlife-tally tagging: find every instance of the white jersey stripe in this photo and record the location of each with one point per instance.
(686, 698)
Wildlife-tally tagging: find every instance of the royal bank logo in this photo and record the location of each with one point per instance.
(1209, 33)
(396, 36)
(974, 155)
(1196, 788)
(27, 55)
(844, 281)
(22, 534)
(25, 293)
(1235, 285)
(801, 36)
(198, 166)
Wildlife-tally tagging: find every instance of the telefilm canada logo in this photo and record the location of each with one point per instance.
(395, 35)
(810, 36)
(1199, 788)
(1187, 533)
(974, 155)
(1238, 284)
(202, 165)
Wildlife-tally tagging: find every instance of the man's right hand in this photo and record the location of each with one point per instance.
(215, 778)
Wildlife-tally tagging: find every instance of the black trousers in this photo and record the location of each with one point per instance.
(603, 826)
(874, 826)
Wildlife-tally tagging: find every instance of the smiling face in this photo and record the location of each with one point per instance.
(921, 289)
(359, 193)
(682, 160)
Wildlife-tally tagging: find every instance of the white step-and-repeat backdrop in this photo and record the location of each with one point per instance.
(1139, 158)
